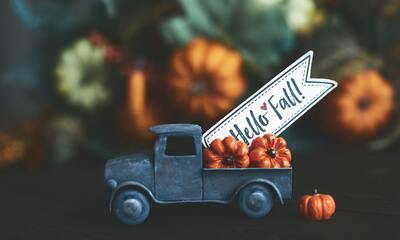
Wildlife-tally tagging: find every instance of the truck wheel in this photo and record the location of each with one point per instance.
(131, 207)
(256, 201)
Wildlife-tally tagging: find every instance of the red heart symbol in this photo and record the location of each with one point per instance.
(264, 106)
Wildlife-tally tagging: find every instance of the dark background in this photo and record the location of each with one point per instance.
(65, 201)
(68, 204)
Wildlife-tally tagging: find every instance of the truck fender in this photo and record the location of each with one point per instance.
(131, 185)
(262, 182)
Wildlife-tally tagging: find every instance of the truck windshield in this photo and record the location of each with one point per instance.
(180, 146)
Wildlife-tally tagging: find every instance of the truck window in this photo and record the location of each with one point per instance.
(180, 146)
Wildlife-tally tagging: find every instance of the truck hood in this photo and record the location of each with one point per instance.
(137, 166)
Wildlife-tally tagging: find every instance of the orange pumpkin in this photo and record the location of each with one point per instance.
(12, 149)
(24, 144)
(317, 206)
(270, 151)
(205, 79)
(139, 114)
(360, 107)
(227, 153)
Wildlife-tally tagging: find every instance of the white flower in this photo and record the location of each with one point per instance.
(300, 13)
(81, 74)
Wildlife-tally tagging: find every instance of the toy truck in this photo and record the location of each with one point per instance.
(173, 173)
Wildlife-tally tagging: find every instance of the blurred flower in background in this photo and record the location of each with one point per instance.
(108, 70)
(81, 75)
(302, 15)
(64, 134)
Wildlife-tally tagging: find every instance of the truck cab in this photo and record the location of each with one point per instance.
(178, 162)
(173, 173)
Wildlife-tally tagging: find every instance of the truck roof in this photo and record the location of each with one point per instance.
(176, 128)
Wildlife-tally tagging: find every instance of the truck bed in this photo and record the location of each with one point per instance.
(221, 184)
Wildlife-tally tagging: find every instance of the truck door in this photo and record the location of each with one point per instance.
(178, 163)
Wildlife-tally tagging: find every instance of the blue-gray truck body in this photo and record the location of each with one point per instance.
(167, 178)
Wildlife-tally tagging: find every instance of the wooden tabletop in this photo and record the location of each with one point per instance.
(68, 203)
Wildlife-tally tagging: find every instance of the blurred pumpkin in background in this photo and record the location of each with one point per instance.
(140, 113)
(24, 145)
(32, 132)
(360, 107)
(12, 149)
(227, 153)
(270, 151)
(205, 79)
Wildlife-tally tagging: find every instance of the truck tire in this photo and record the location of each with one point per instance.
(256, 200)
(131, 207)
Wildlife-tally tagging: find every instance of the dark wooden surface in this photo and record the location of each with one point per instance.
(67, 203)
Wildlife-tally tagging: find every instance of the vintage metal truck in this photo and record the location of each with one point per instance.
(174, 173)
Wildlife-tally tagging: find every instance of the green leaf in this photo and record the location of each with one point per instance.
(177, 31)
(198, 16)
(258, 30)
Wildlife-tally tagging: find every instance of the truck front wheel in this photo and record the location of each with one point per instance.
(131, 207)
(256, 200)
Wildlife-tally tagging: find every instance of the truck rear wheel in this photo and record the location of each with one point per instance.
(256, 200)
(131, 207)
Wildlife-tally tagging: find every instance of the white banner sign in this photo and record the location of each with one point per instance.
(275, 106)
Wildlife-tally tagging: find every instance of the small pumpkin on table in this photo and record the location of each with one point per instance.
(317, 206)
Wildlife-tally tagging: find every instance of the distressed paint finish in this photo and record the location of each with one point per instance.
(182, 179)
(135, 167)
(178, 177)
(176, 128)
(222, 184)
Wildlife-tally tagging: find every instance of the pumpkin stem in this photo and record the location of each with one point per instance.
(364, 103)
(315, 191)
(199, 87)
(271, 152)
(229, 160)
